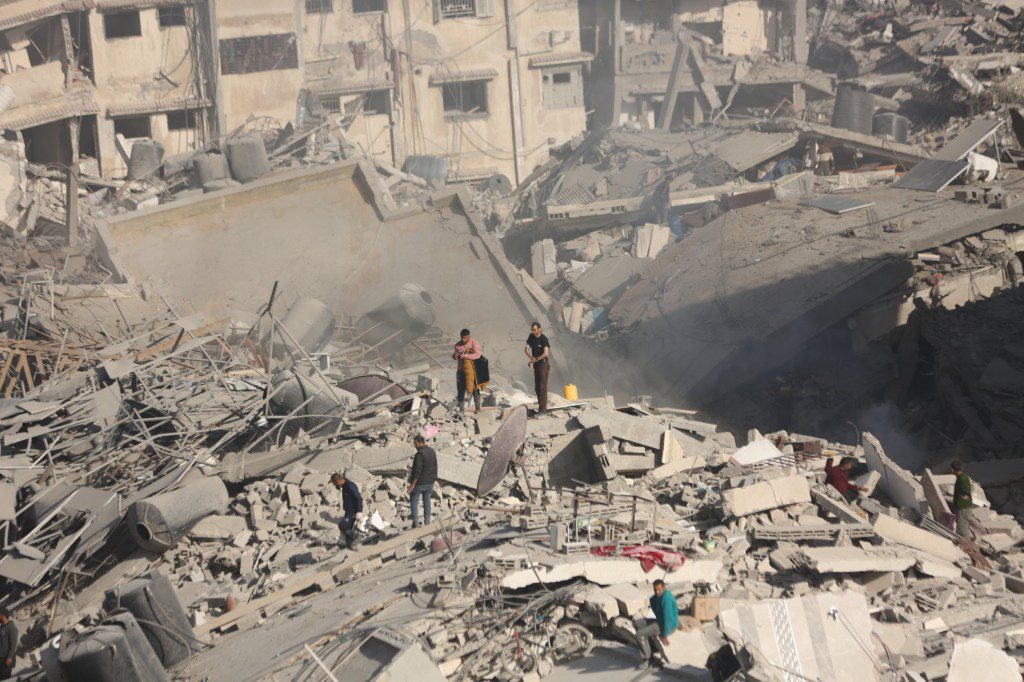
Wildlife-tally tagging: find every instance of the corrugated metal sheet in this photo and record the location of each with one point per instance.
(41, 113)
(334, 87)
(574, 194)
(118, 5)
(560, 58)
(157, 106)
(463, 76)
(21, 12)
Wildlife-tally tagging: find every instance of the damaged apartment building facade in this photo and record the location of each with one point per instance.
(650, 51)
(487, 86)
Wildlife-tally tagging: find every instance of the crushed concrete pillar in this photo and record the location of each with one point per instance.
(158, 522)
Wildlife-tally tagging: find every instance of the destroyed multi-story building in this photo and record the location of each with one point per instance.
(87, 78)
(239, 240)
(692, 54)
(485, 86)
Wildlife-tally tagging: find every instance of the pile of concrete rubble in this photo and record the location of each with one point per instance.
(166, 487)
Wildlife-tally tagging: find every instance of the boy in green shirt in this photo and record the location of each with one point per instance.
(963, 503)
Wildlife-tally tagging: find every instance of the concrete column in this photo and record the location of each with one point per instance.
(799, 98)
(799, 22)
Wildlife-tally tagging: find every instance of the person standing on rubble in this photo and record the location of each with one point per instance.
(538, 350)
(963, 501)
(8, 644)
(839, 478)
(666, 621)
(351, 504)
(467, 352)
(422, 479)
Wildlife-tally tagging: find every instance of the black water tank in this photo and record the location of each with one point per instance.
(853, 109)
(154, 602)
(895, 126)
(116, 650)
(210, 167)
(147, 155)
(247, 157)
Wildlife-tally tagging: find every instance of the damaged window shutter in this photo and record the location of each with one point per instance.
(485, 8)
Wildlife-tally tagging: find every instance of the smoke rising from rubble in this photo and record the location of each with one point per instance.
(883, 421)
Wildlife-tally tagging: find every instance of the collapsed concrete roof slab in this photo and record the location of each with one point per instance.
(738, 296)
(225, 250)
(801, 635)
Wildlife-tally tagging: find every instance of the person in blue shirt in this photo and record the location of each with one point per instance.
(352, 506)
(666, 621)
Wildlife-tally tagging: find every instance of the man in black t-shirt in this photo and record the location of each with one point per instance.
(538, 350)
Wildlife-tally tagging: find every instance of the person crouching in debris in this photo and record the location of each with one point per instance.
(351, 504)
(422, 479)
(467, 351)
(538, 350)
(8, 644)
(839, 478)
(963, 501)
(666, 621)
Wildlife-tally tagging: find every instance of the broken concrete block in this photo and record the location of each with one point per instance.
(602, 604)
(631, 599)
(678, 466)
(904, 533)
(294, 495)
(218, 527)
(687, 653)
(755, 452)
(868, 481)
(876, 583)
(855, 560)
(807, 638)
(671, 450)
(766, 495)
(897, 483)
(543, 264)
(978, 657)
(935, 499)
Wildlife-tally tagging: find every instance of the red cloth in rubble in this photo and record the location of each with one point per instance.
(649, 556)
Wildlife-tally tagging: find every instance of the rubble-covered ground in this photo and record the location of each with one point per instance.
(165, 461)
(149, 449)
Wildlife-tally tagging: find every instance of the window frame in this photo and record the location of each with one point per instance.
(124, 120)
(171, 11)
(319, 6)
(460, 113)
(109, 16)
(380, 6)
(190, 116)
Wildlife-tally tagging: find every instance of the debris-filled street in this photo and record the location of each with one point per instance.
(474, 340)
